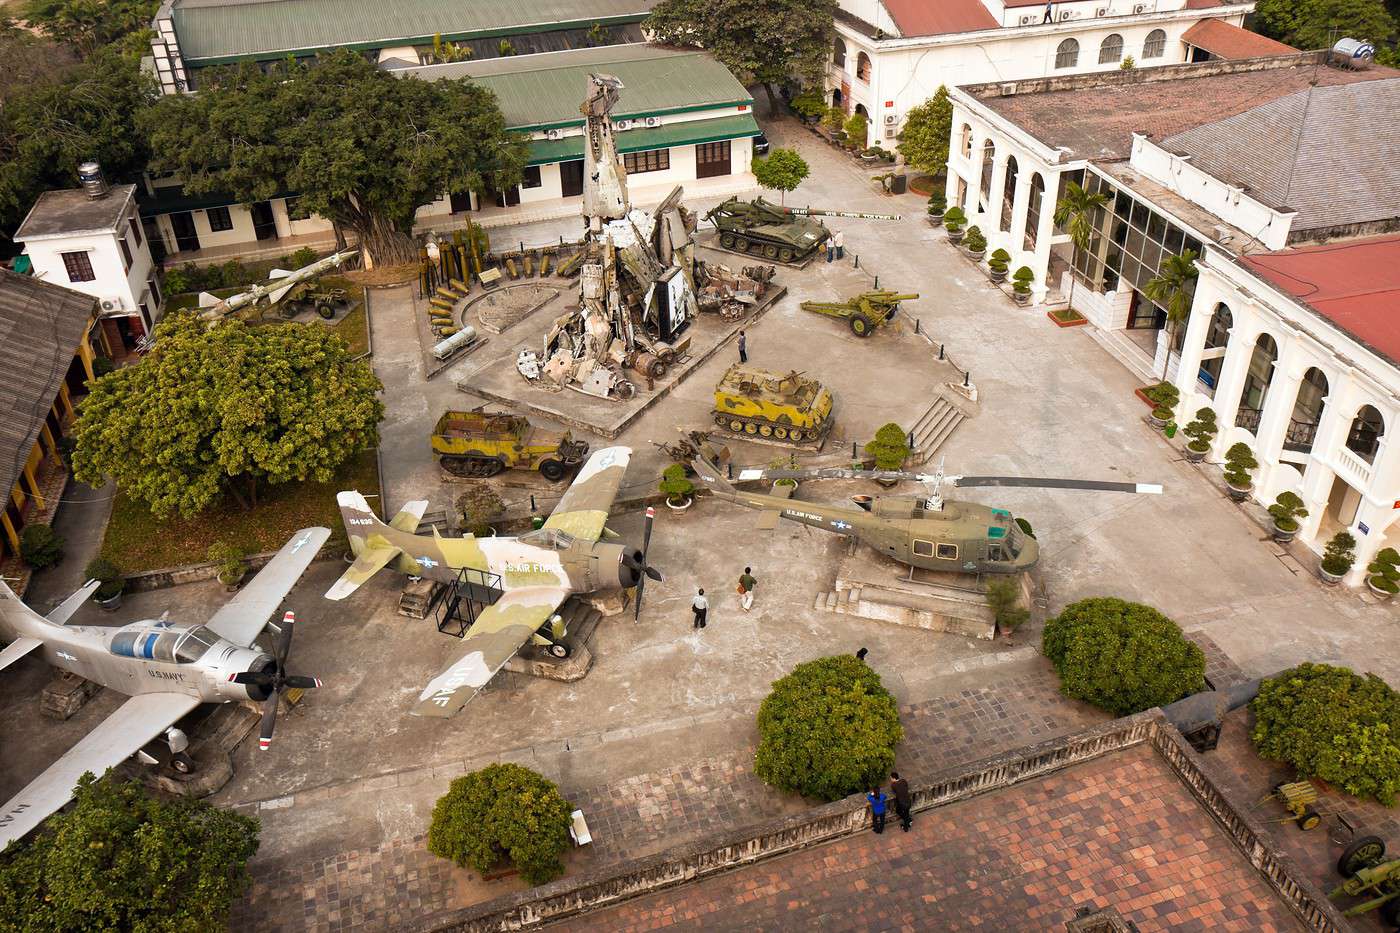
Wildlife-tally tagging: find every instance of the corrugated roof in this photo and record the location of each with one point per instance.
(1326, 152)
(689, 133)
(547, 90)
(224, 30)
(1227, 40)
(41, 325)
(939, 17)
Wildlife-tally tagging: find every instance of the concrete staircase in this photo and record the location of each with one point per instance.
(1128, 353)
(933, 428)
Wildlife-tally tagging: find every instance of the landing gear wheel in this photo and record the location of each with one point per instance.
(770, 251)
(860, 325)
(552, 470)
(559, 650)
(765, 430)
(726, 240)
(1309, 819)
(750, 428)
(780, 433)
(182, 763)
(786, 255)
(1363, 852)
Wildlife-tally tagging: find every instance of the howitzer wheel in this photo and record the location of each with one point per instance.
(552, 470)
(786, 255)
(860, 325)
(1363, 853)
(559, 650)
(1390, 911)
(726, 240)
(1309, 819)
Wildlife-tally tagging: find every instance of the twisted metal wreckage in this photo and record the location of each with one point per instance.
(640, 285)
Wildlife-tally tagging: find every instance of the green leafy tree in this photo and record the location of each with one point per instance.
(927, 129)
(225, 409)
(766, 41)
(1317, 24)
(1077, 213)
(827, 730)
(120, 859)
(890, 447)
(857, 129)
(40, 546)
(1332, 723)
(91, 25)
(675, 484)
(1174, 288)
(1122, 657)
(503, 812)
(783, 170)
(361, 147)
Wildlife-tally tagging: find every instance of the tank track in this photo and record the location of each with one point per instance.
(754, 246)
(740, 426)
(472, 467)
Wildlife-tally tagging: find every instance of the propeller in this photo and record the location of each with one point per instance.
(274, 679)
(643, 569)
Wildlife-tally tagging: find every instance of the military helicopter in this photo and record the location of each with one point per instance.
(928, 533)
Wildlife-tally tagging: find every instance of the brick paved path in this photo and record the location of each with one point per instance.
(1121, 830)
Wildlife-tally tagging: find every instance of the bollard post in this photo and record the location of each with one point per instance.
(522, 250)
(857, 257)
(917, 324)
(966, 377)
(729, 467)
(853, 450)
(911, 440)
(940, 351)
(532, 502)
(877, 278)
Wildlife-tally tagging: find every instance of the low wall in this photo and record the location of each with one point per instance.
(195, 573)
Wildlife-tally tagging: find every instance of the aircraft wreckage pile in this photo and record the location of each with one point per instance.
(640, 284)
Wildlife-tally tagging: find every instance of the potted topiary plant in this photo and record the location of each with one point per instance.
(996, 266)
(890, 448)
(953, 222)
(937, 206)
(1202, 431)
(976, 243)
(784, 487)
(1021, 281)
(1337, 558)
(478, 507)
(108, 596)
(809, 106)
(1160, 416)
(1286, 510)
(229, 559)
(1384, 572)
(677, 487)
(1239, 464)
(832, 121)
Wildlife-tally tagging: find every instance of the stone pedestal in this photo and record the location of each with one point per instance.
(65, 694)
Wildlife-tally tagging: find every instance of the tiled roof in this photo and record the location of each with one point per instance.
(1095, 116)
(939, 17)
(71, 211)
(1355, 284)
(220, 30)
(1226, 40)
(1326, 152)
(41, 325)
(546, 90)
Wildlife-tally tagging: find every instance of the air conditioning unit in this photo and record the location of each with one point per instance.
(1028, 20)
(891, 119)
(111, 305)
(1140, 7)
(553, 134)
(653, 122)
(1066, 15)
(622, 124)
(1101, 11)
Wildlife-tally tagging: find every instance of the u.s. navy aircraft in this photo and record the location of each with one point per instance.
(537, 571)
(167, 670)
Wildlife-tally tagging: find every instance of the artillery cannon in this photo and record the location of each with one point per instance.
(1369, 875)
(864, 312)
(773, 231)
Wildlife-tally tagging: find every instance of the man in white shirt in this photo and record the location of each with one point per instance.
(701, 607)
(839, 241)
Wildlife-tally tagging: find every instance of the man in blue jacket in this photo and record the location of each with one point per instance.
(877, 809)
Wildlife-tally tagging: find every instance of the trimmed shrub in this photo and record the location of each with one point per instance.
(1202, 430)
(1286, 511)
(479, 506)
(106, 573)
(1332, 723)
(40, 546)
(975, 241)
(827, 730)
(504, 812)
(229, 557)
(890, 448)
(954, 218)
(1163, 394)
(1122, 657)
(675, 484)
(1385, 571)
(937, 203)
(1340, 554)
(1004, 596)
(1239, 465)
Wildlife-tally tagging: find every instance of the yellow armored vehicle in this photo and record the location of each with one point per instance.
(481, 443)
(783, 407)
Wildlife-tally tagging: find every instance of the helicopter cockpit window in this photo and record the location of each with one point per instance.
(1017, 539)
(948, 551)
(923, 548)
(549, 537)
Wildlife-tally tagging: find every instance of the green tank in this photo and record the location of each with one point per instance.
(787, 234)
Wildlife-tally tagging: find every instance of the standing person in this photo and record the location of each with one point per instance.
(1049, 12)
(828, 250)
(743, 348)
(877, 800)
(701, 607)
(903, 802)
(860, 655)
(839, 241)
(746, 585)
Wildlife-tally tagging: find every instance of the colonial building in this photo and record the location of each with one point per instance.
(891, 55)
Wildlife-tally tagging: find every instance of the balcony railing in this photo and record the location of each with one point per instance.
(1248, 418)
(1300, 435)
(1353, 469)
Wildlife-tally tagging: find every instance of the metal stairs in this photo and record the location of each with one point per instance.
(933, 428)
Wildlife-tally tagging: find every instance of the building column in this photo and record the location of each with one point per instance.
(87, 356)
(974, 180)
(1189, 363)
(1279, 401)
(33, 481)
(11, 533)
(1020, 205)
(1319, 477)
(1042, 238)
(1238, 352)
(49, 441)
(996, 196)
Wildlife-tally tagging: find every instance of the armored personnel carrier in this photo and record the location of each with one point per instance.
(787, 234)
(481, 443)
(784, 407)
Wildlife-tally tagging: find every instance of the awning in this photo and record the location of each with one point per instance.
(690, 133)
(1225, 40)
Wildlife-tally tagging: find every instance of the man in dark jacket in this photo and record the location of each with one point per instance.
(903, 802)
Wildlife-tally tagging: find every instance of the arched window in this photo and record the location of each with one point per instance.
(965, 141)
(1008, 194)
(1155, 45)
(1111, 50)
(1217, 336)
(1256, 383)
(1307, 411)
(863, 66)
(1033, 210)
(1067, 55)
(1367, 429)
(838, 52)
(989, 158)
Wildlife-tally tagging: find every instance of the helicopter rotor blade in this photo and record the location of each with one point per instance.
(1046, 482)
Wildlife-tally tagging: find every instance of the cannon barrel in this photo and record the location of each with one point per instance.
(884, 295)
(815, 212)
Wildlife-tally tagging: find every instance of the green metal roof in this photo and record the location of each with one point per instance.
(215, 31)
(546, 91)
(692, 133)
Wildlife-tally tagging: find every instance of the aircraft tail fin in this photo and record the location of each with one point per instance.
(65, 609)
(409, 516)
(711, 475)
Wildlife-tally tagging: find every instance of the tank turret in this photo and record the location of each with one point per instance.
(787, 407)
(787, 234)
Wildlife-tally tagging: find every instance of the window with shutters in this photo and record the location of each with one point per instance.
(650, 160)
(135, 230)
(219, 219)
(126, 254)
(1111, 50)
(530, 177)
(1067, 55)
(79, 267)
(1155, 45)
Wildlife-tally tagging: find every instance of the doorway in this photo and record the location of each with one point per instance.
(186, 237)
(571, 178)
(712, 159)
(461, 201)
(264, 225)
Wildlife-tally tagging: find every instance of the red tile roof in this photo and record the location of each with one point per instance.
(1226, 41)
(938, 17)
(1355, 284)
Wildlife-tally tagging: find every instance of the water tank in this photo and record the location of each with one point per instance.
(90, 175)
(1353, 53)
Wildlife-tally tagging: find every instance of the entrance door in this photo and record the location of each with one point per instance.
(712, 159)
(186, 238)
(264, 226)
(153, 237)
(571, 178)
(461, 202)
(508, 198)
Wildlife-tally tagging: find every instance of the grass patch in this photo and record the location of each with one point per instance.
(1066, 315)
(191, 299)
(136, 540)
(354, 330)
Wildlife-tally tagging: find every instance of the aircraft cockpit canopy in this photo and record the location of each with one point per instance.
(160, 642)
(550, 538)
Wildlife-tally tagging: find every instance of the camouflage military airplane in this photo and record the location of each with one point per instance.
(522, 580)
(166, 670)
(928, 532)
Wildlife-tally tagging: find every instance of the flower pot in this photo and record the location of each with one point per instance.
(1283, 535)
(680, 506)
(109, 605)
(976, 254)
(231, 584)
(935, 220)
(1331, 579)
(1158, 423)
(998, 275)
(1376, 590)
(1195, 456)
(955, 236)
(1239, 495)
(888, 483)
(1022, 298)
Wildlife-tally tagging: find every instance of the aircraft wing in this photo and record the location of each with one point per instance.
(493, 640)
(584, 509)
(17, 649)
(136, 722)
(242, 618)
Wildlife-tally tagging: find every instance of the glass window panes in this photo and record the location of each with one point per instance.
(1156, 227)
(1174, 240)
(1155, 45)
(1111, 49)
(219, 219)
(1139, 218)
(1067, 55)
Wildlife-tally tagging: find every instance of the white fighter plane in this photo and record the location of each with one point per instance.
(166, 668)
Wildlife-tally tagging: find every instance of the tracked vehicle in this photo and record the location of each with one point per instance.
(783, 407)
(785, 234)
(481, 443)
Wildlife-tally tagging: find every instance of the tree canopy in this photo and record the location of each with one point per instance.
(782, 170)
(218, 410)
(91, 25)
(123, 860)
(759, 40)
(360, 147)
(1317, 24)
(503, 812)
(927, 128)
